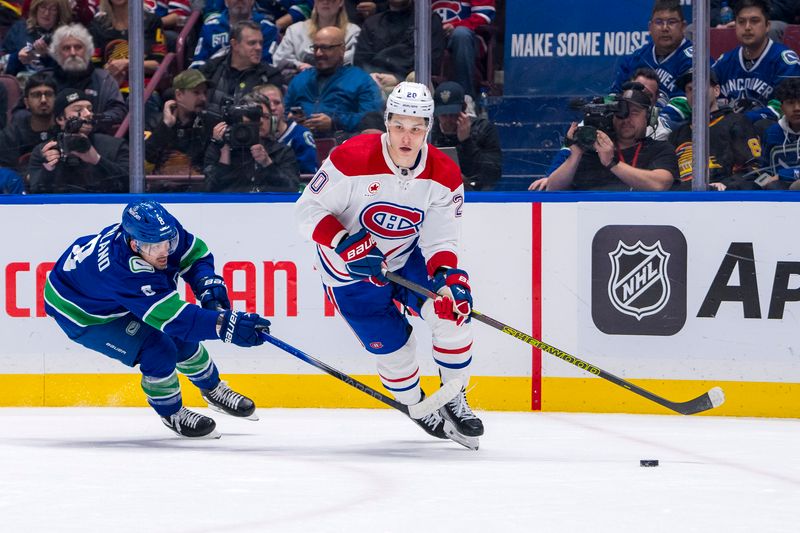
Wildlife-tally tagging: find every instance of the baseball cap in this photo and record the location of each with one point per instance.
(635, 94)
(67, 97)
(189, 79)
(448, 98)
(688, 76)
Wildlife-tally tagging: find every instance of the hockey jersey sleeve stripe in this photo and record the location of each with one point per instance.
(196, 251)
(164, 311)
(327, 230)
(442, 259)
(72, 312)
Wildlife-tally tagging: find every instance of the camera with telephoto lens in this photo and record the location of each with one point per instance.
(239, 134)
(598, 114)
(71, 140)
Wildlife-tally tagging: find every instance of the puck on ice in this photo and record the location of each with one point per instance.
(648, 462)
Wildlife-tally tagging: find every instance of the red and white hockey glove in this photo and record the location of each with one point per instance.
(456, 301)
(362, 258)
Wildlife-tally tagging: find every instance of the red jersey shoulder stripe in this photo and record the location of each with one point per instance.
(441, 169)
(360, 156)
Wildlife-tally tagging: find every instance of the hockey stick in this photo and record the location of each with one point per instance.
(709, 400)
(430, 404)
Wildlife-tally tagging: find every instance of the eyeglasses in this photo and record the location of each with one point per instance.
(671, 23)
(48, 9)
(325, 47)
(41, 94)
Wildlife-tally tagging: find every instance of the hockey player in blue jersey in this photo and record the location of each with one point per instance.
(749, 73)
(668, 53)
(115, 293)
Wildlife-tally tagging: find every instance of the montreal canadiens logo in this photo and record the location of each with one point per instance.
(391, 221)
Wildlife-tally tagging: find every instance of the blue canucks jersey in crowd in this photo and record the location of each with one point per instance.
(781, 150)
(301, 140)
(273, 9)
(215, 34)
(758, 83)
(100, 279)
(668, 69)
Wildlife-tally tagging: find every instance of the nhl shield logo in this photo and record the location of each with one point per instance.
(639, 285)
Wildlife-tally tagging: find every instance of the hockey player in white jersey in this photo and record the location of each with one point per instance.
(392, 201)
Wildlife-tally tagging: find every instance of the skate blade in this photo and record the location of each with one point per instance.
(466, 441)
(253, 417)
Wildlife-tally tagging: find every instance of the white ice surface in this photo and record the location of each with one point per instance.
(115, 470)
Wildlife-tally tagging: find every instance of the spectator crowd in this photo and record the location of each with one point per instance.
(272, 85)
(644, 141)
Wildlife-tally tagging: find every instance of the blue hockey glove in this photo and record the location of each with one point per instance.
(362, 258)
(456, 301)
(213, 293)
(242, 329)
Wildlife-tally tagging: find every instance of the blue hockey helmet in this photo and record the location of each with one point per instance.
(147, 222)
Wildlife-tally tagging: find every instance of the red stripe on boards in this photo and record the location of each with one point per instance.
(536, 304)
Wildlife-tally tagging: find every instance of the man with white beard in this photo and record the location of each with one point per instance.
(72, 47)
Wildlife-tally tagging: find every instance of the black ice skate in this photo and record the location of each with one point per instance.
(460, 423)
(433, 424)
(225, 400)
(192, 425)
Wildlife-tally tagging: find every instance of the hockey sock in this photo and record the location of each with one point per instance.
(399, 372)
(163, 394)
(200, 369)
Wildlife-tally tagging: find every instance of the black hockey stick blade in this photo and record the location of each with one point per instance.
(431, 403)
(709, 400)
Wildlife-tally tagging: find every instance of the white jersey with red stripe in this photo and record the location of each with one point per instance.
(359, 186)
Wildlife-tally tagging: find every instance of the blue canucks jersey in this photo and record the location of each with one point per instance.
(215, 34)
(100, 279)
(781, 152)
(668, 69)
(776, 63)
(273, 9)
(301, 140)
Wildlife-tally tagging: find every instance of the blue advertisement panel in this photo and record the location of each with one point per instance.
(553, 47)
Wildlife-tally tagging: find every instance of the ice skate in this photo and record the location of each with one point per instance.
(192, 425)
(225, 400)
(433, 424)
(460, 423)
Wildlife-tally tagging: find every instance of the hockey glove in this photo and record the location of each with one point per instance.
(456, 301)
(242, 329)
(362, 258)
(213, 293)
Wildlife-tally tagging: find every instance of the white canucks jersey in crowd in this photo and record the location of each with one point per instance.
(776, 63)
(359, 186)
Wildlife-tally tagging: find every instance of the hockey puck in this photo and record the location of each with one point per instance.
(648, 462)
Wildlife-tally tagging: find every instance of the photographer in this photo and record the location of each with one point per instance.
(178, 139)
(78, 160)
(244, 156)
(629, 161)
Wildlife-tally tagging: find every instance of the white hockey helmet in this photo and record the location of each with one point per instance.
(409, 98)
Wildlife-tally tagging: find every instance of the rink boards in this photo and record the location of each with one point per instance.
(677, 296)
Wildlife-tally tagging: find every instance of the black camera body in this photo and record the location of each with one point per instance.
(240, 134)
(71, 140)
(598, 114)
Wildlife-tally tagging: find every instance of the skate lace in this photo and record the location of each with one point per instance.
(460, 407)
(223, 394)
(189, 418)
(432, 420)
